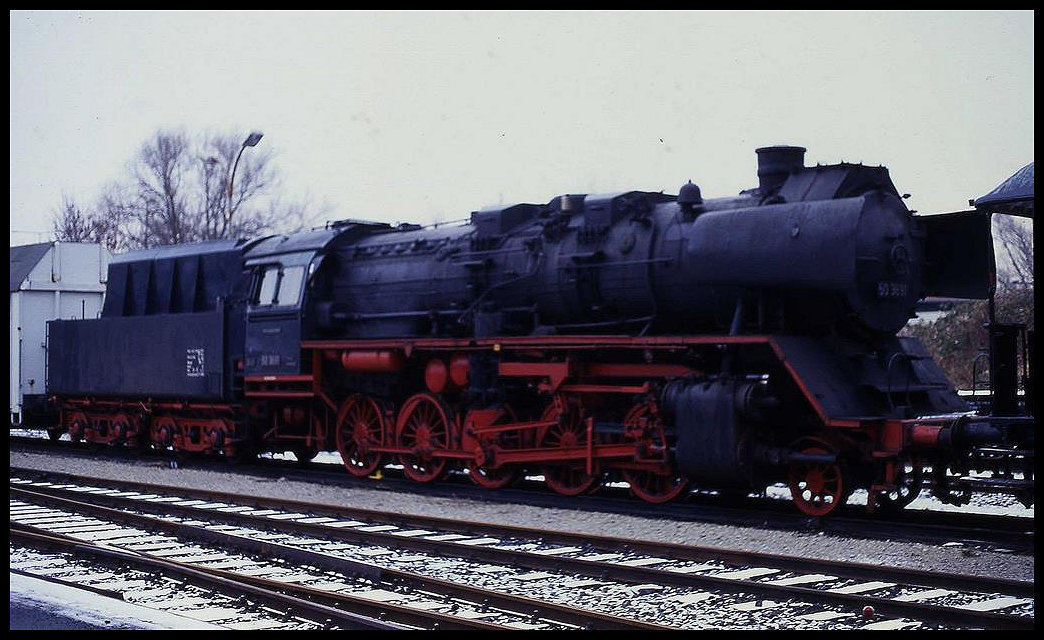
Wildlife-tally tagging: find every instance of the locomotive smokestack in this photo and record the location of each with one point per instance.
(776, 163)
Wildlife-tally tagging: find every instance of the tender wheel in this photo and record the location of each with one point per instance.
(909, 478)
(359, 428)
(818, 488)
(506, 474)
(423, 428)
(162, 433)
(567, 477)
(652, 485)
(78, 426)
(124, 430)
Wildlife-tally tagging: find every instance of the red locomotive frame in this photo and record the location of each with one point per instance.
(433, 429)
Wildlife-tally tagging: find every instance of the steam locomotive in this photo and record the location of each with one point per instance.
(670, 342)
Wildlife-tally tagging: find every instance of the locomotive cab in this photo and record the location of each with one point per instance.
(285, 305)
(274, 314)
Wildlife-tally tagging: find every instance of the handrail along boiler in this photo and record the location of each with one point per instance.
(668, 341)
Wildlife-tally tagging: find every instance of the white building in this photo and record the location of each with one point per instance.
(49, 281)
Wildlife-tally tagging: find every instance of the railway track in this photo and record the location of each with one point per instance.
(336, 591)
(973, 530)
(214, 596)
(683, 586)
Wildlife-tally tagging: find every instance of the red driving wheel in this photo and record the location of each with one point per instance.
(661, 484)
(359, 428)
(567, 477)
(498, 477)
(423, 427)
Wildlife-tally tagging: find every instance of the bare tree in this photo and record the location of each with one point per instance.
(178, 191)
(72, 224)
(1016, 236)
(289, 216)
(159, 172)
(114, 217)
(223, 214)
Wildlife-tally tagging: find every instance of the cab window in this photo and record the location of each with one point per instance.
(279, 286)
(290, 285)
(267, 288)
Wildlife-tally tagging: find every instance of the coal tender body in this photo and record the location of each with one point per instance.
(156, 367)
(667, 341)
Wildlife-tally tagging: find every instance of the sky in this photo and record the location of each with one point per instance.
(410, 116)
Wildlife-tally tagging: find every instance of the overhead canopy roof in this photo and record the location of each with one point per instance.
(1014, 196)
(23, 259)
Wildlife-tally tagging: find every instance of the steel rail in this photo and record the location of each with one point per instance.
(599, 569)
(108, 593)
(222, 581)
(507, 603)
(852, 570)
(374, 615)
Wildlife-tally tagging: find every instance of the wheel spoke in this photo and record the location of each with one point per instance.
(568, 477)
(817, 488)
(652, 485)
(502, 476)
(355, 443)
(423, 427)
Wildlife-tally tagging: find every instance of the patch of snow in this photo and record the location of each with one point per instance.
(85, 609)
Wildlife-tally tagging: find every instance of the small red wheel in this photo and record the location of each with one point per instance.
(661, 484)
(567, 477)
(162, 432)
(423, 427)
(502, 476)
(96, 430)
(78, 424)
(124, 430)
(818, 488)
(360, 426)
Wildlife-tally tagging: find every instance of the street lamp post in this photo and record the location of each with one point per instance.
(251, 141)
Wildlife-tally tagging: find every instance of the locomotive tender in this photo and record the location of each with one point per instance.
(668, 341)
